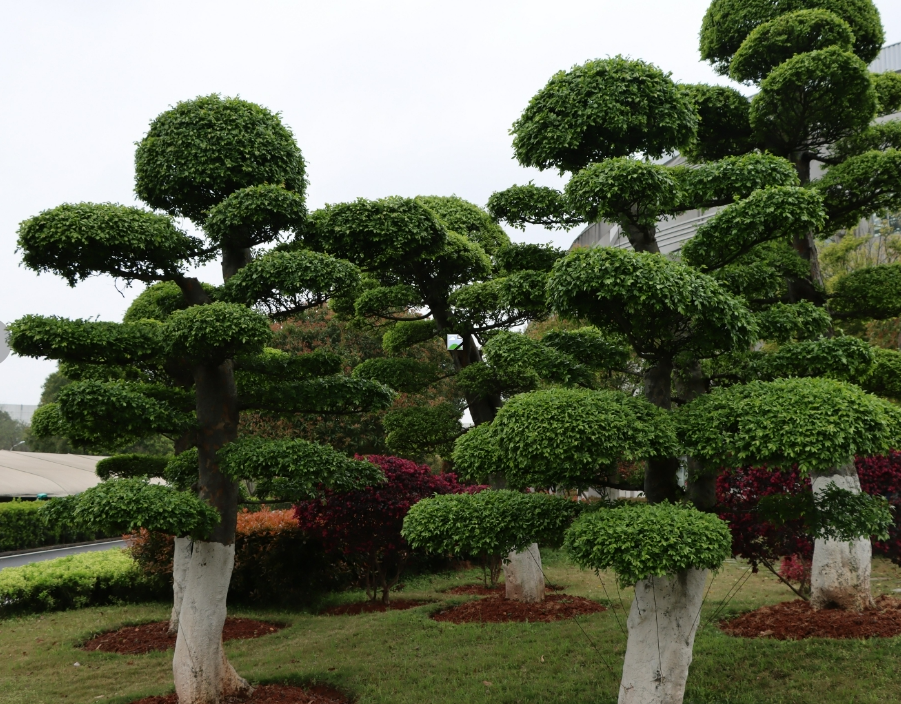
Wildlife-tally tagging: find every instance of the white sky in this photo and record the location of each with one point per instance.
(384, 98)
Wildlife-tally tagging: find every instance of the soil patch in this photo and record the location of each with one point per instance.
(369, 607)
(135, 640)
(482, 590)
(794, 620)
(497, 609)
(271, 694)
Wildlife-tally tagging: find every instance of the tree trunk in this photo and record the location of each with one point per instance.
(805, 245)
(523, 576)
(660, 477)
(202, 673)
(690, 384)
(662, 625)
(840, 573)
(181, 560)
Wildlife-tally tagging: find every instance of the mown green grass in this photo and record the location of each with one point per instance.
(404, 657)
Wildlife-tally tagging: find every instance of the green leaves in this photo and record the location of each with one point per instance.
(835, 90)
(201, 151)
(638, 541)
(125, 505)
(873, 292)
(767, 214)
(843, 358)
(406, 334)
(79, 241)
(861, 185)
(255, 215)
(624, 190)
(724, 128)
(534, 205)
(784, 322)
(571, 438)
(487, 523)
(888, 92)
(110, 413)
(284, 283)
(661, 306)
(758, 423)
(293, 470)
(602, 109)
(725, 181)
(87, 341)
(466, 219)
(131, 466)
(778, 40)
(728, 23)
(401, 374)
(420, 430)
(378, 233)
(335, 394)
(216, 332)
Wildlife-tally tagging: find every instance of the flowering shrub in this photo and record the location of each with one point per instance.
(739, 492)
(275, 561)
(364, 526)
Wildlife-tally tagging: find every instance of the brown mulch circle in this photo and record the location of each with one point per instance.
(794, 620)
(271, 694)
(496, 609)
(482, 590)
(136, 640)
(368, 607)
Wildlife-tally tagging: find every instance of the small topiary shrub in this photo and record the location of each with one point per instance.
(638, 541)
(488, 525)
(77, 581)
(364, 526)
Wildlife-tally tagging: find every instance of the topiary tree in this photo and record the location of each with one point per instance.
(489, 525)
(190, 357)
(757, 424)
(665, 551)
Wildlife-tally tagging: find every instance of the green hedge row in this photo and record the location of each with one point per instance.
(23, 527)
(86, 579)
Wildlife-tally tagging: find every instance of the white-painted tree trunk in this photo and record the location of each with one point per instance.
(523, 577)
(202, 673)
(840, 573)
(181, 559)
(662, 626)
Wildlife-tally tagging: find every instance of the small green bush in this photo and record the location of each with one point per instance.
(22, 526)
(87, 579)
(641, 540)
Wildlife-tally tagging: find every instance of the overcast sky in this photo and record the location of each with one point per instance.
(384, 98)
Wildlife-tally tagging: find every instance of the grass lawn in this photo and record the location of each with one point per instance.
(404, 657)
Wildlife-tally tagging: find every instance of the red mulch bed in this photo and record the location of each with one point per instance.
(794, 620)
(497, 609)
(369, 607)
(135, 640)
(271, 694)
(482, 590)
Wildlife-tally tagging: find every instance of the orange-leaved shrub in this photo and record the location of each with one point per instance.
(275, 561)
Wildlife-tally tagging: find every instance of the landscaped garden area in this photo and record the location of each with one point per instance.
(382, 460)
(405, 656)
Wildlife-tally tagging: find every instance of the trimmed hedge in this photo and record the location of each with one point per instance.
(77, 581)
(22, 526)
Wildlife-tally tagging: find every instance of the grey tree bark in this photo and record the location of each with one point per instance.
(181, 559)
(201, 670)
(662, 625)
(840, 573)
(523, 576)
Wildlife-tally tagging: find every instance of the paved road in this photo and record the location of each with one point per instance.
(41, 555)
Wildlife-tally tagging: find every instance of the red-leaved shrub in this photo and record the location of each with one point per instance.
(739, 492)
(364, 525)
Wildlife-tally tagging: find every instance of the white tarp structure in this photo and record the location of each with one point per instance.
(27, 474)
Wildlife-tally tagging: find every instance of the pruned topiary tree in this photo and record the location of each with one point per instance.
(190, 356)
(758, 423)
